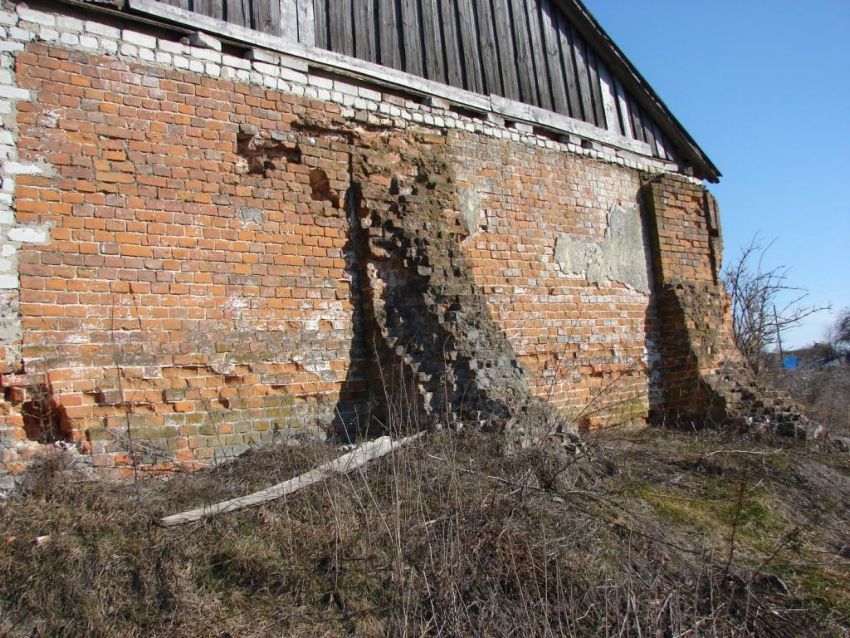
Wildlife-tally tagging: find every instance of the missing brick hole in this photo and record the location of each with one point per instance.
(321, 187)
(42, 417)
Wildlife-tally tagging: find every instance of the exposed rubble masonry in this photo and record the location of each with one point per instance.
(203, 252)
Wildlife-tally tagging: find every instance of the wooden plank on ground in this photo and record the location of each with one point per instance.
(365, 38)
(267, 16)
(524, 54)
(306, 23)
(412, 40)
(553, 57)
(435, 68)
(489, 50)
(344, 464)
(505, 46)
(541, 71)
(469, 45)
(390, 24)
(565, 40)
(451, 40)
(341, 29)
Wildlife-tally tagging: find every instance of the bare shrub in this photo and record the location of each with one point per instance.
(761, 309)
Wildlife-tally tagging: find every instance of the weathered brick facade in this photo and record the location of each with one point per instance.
(199, 249)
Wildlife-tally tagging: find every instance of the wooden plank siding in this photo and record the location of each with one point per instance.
(523, 50)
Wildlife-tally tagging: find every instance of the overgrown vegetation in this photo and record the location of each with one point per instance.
(651, 533)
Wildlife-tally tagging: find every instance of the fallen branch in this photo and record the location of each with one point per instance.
(341, 465)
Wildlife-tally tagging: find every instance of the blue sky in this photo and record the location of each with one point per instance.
(764, 88)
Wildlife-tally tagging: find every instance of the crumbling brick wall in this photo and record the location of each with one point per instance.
(704, 378)
(204, 252)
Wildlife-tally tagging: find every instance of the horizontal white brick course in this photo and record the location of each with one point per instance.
(138, 39)
(39, 17)
(98, 28)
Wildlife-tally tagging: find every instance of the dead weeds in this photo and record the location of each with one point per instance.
(652, 534)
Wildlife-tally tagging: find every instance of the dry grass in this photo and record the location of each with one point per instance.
(656, 534)
(824, 394)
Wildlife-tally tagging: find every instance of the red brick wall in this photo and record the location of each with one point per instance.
(197, 292)
(196, 286)
(582, 344)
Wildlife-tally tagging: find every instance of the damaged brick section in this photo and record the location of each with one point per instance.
(430, 328)
(704, 378)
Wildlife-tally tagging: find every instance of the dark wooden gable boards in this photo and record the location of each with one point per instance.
(531, 51)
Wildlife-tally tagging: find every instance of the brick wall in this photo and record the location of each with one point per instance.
(186, 282)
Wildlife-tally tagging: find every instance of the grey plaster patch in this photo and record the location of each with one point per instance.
(620, 256)
(470, 209)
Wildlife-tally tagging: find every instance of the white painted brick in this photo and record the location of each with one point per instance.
(48, 35)
(294, 63)
(39, 17)
(88, 42)
(6, 265)
(267, 69)
(7, 138)
(6, 77)
(8, 19)
(369, 94)
(196, 65)
(8, 185)
(269, 81)
(243, 76)
(325, 95)
(292, 76)
(205, 54)
(212, 69)
(128, 50)
(236, 63)
(67, 23)
(7, 217)
(172, 47)
(261, 55)
(20, 34)
(146, 54)
(69, 39)
(108, 46)
(8, 282)
(14, 93)
(29, 234)
(180, 62)
(138, 39)
(204, 40)
(8, 250)
(163, 58)
(320, 82)
(101, 29)
(21, 168)
(342, 87)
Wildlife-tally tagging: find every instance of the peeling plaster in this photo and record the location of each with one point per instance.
(620, 256)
